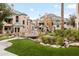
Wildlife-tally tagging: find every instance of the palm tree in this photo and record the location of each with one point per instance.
(72, 20)
(62, 15)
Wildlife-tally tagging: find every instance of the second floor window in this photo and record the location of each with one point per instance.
(17, 19)
(23, 22)
(27, 22)
(52, 23)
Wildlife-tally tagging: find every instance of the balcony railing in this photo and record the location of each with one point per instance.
(7, 24)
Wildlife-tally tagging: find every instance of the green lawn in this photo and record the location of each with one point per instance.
(30, 48)
(4, 36)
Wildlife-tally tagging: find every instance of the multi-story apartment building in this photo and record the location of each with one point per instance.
(17, 24)
(50, 22)
(20, 24)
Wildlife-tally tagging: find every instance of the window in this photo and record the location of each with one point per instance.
(39, 23)
(40, 28)
(23, 22)
(15, 29)
(57, 25)
(17, 19)
(5, 28)
(64, 22)
(27, 22)
(18, 29)
(52, 23)
(23, 27)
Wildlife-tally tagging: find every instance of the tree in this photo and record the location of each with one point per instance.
(62, 15)
(5, 11)
(72, 20)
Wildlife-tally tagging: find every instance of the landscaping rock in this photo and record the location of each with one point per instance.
(43, 44)
(47, 44)
(74, 44)
(55, 46)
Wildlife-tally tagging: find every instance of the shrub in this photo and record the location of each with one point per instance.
(73, 35)
(57, 37)
(48, 39)
(67, 33)
(77, 35)
(59, 33)
(45, 39)
(41, 34)
(51, 34)
(70, 34)
(59, 40)
(71, 38)
(51, 40)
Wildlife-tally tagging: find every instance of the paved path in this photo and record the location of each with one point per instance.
(4, 44)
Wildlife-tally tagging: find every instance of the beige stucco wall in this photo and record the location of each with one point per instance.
(23, 29)
(21, 18)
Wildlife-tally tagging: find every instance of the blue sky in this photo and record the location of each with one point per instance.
(34, 10)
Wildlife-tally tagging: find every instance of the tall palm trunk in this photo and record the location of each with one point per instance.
(62, 15)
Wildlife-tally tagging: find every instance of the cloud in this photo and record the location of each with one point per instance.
(32, 9)
(66, 15)
(56, 5)
(71, 6)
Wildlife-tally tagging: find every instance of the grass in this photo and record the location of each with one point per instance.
(27, 47)
(4, 36)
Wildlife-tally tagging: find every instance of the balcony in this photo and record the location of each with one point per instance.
(7, 24)
(17, 25)
(10, 17)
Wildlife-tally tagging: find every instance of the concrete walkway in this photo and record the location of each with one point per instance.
(5, 44)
